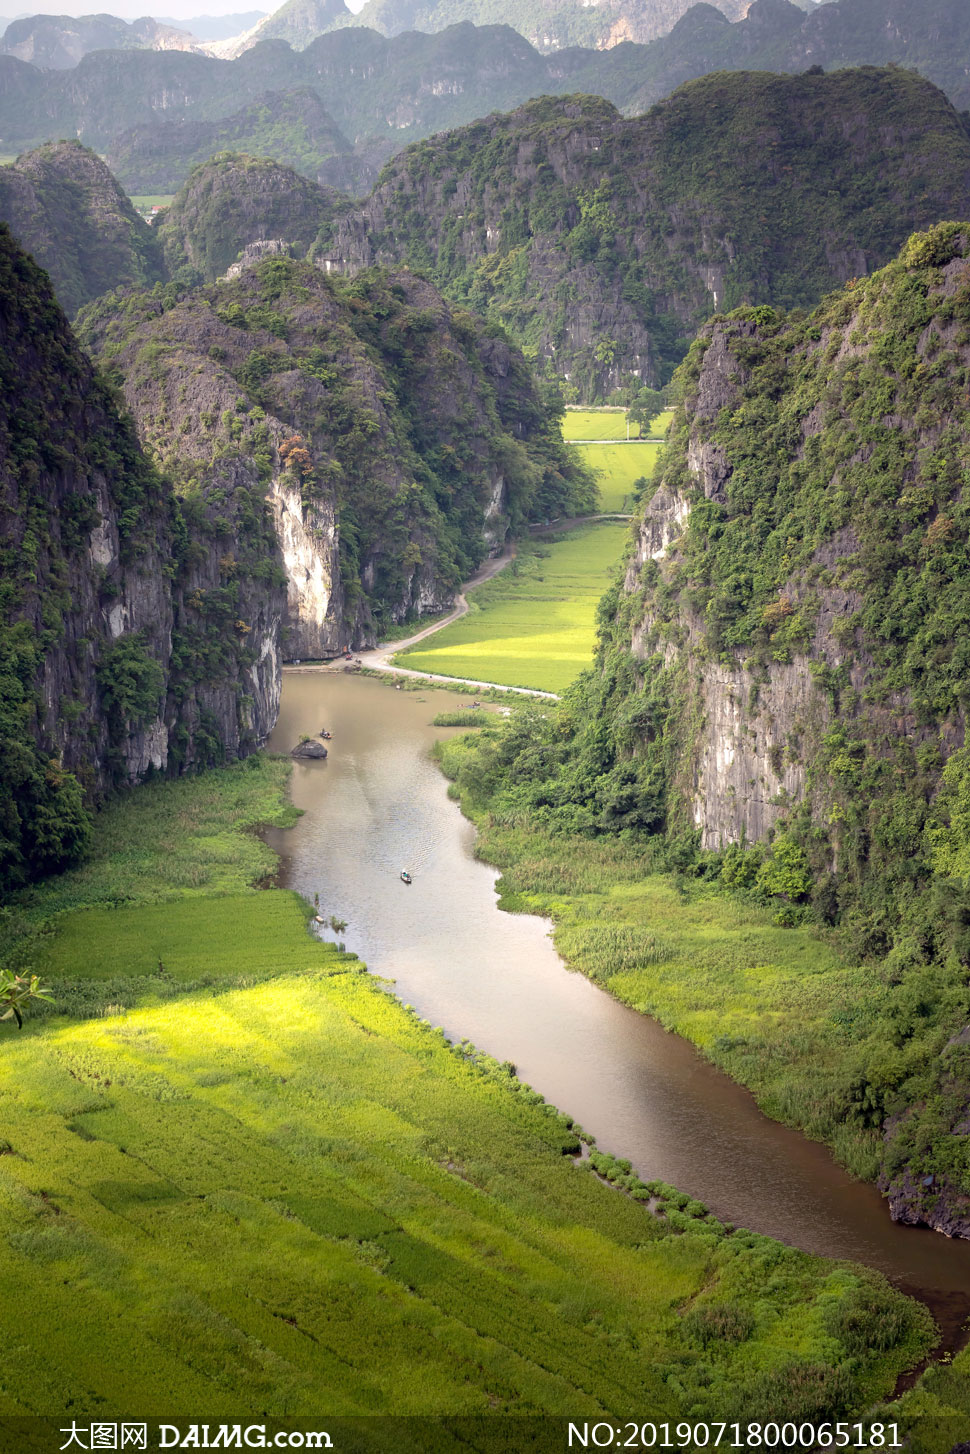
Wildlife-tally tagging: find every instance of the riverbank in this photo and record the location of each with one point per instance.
(777, 1008)
(212, 1081)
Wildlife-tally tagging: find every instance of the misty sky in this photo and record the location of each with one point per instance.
(132, 9)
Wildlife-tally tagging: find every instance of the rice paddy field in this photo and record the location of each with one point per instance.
(239, 1179)
(533, 625)
(617, 468)
(607, 424)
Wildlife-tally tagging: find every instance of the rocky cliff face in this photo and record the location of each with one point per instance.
(64, 206)
(601, 243)
(395, 440)
(784, 677)
(138, 632)
(232, 201)
(798, 493)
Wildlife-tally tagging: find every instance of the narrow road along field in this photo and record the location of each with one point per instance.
(534, 625)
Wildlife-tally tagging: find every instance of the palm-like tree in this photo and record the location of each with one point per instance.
(17, 990)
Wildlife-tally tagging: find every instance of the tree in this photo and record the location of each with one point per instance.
(16, 991)
(786, 872)
(645, 405)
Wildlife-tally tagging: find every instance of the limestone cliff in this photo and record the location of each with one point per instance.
(136, 634)
(812, 482)
(396, 440)
(796, 617)
(602, 243)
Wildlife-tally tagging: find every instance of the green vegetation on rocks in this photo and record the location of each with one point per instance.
(400, 438)
(231, 201)
(601, 243)
(779, 701)
(64, 207)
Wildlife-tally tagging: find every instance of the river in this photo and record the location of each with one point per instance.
(378, 805)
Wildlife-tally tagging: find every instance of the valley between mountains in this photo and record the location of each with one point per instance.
(571, 1025)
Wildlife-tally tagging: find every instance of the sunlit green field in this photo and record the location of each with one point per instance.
(144, 200)
(617, 467)
(533, 625)
(594, 424)
(238, 1179)
(607, 424)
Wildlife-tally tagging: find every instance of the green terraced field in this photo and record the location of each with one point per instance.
(594, 424)
(606, 424)
(534, 624)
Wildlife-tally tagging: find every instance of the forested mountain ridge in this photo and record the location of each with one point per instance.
(396, 439)
(601, 243)
(402, 89)
(65, 207)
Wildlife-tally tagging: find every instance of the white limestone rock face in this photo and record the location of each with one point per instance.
(257, 252)
(496, 525)
(308, 542)
(744, 764)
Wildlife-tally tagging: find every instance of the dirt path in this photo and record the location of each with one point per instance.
(379, 657)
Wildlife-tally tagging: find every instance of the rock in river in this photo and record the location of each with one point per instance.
(309, 749)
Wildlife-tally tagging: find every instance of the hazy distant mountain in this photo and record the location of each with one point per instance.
(298, 22)
(215, 27)
(64, 206)
(389, 92)
(292, 127)
(547, 24)
(58, 42)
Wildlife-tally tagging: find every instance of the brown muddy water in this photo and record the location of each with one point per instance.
(378, 805)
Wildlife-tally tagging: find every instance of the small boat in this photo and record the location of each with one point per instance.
(405, 876)
(325, 734)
